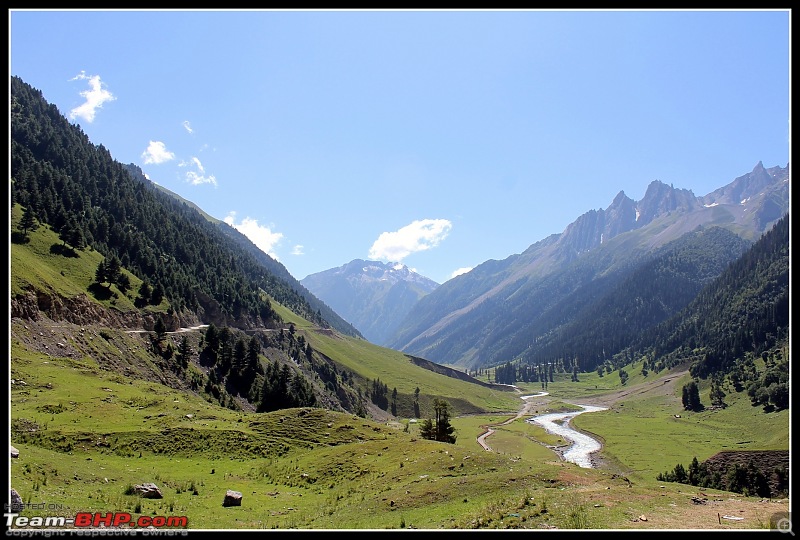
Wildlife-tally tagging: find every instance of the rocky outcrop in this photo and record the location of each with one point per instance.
(661, 199)
(16, 504)
(79, 309)
(232, 498)
(32, 305)
(25, 306)
(148, 491)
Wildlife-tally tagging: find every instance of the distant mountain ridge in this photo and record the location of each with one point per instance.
(610, 289)
(753, 201)
(458, 324)
(373, 296)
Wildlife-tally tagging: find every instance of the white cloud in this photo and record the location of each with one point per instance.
(261, 236)
(157, 153)
(95, 97)
(198, 175)
(461, 271)
(187, 126)
(194, 162)
(196, 179)
(419, 235)
(298, 250)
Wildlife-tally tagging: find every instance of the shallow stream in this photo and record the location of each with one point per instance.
(582, 444)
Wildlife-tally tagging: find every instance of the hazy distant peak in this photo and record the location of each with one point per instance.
(368, 270)
(373, 295)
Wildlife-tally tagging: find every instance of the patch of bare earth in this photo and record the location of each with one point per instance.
(673, 507)
(730, 511)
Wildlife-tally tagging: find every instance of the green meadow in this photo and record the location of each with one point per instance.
(95, 414)
(87, 435)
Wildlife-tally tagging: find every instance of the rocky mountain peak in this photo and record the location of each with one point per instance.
(746, 186)
(620, 216)
(372, 295)
(360, 270)
(662, 199)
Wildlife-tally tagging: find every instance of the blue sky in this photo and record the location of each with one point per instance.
(439, 139)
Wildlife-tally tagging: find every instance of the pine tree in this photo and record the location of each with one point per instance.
(239, 363)
(100, 275)
(28, 222)
(184, 352)
(439, 428)
(160, 329)
(426, 429)
(253, 352)
(144, 292)
(113, 269)
(691, 397)
(158, 294)
(71, 234)
(717, 395)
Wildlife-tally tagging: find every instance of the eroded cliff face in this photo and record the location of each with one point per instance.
(81, 333)
(33, 304)
(79, 328)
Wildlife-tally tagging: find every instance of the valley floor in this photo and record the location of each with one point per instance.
(716, 510)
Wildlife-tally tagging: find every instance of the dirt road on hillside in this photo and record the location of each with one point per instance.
(528, 408)
(662, 386)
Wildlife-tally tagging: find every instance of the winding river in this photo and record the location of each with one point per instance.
(558, 423)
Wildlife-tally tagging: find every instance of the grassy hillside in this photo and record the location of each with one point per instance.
(94, 412)
(397, 371)
(86, 435)
(370, 362)
(41, 262)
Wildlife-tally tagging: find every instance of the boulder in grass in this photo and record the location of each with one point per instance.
(148, 490)
(232, 498)
(16, 505)
(14, 452)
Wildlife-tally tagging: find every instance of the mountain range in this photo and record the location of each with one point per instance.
(513, 301)
(515, 308)
(153, 346)
(374, 296)
(579, 299)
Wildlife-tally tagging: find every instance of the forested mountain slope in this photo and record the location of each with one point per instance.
(741, 314)
(111, 267)
(76, 187)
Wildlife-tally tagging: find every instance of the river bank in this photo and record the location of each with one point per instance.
(588, 451)
(582, 444)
